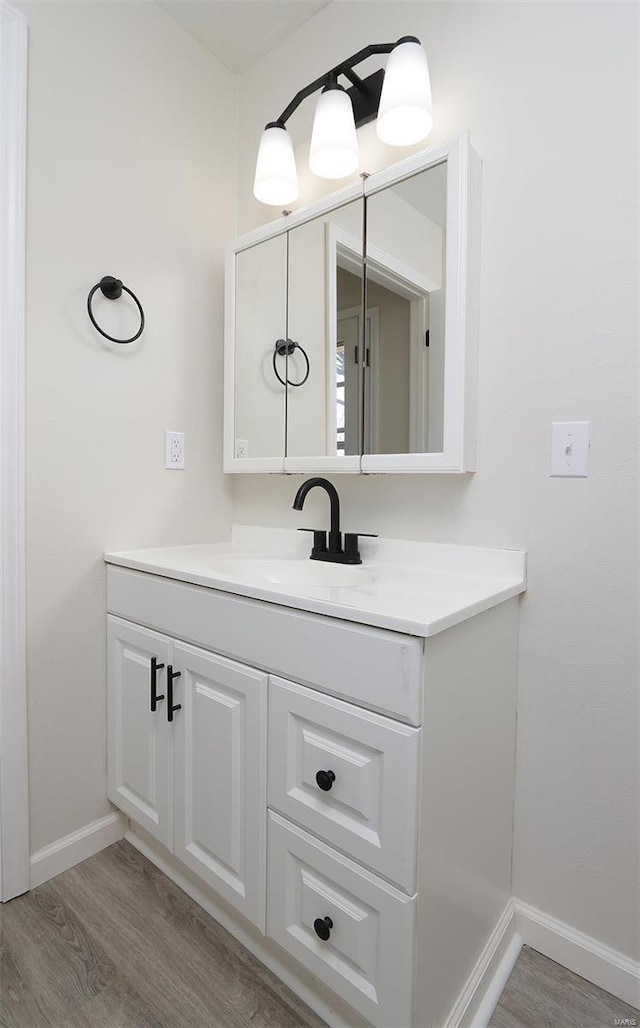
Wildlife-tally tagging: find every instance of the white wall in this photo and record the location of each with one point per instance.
(549, 92)
(130, 172)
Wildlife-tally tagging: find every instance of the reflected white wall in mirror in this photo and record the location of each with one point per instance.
(406, 265)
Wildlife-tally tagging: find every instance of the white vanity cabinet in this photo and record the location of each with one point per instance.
(347, 789)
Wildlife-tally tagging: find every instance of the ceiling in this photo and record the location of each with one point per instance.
(239, 32)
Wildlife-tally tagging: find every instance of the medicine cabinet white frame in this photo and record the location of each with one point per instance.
(462, 267)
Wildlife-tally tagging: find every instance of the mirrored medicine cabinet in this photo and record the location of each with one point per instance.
(351, 326)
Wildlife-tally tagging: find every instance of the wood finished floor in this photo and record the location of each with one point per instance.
(112, 943)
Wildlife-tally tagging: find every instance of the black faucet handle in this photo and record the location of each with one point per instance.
(351, 543)
(319, 539)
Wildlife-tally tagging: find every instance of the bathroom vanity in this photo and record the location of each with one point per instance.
(323, 757)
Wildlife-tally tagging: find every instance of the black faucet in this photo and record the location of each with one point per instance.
(334, 551)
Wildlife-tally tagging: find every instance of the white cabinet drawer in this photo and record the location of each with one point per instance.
(368, 956)
(368, 766)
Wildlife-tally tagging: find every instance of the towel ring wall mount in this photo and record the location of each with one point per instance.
(286, 348)
(113, 288)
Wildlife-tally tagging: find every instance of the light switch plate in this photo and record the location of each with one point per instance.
(569, 449)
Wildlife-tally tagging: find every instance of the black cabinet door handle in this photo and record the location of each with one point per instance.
(325, 780)
(322, 927)
(155, 667)
(171, 706)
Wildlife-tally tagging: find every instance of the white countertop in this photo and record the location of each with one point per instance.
(412, 587)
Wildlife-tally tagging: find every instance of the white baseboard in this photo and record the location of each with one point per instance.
(66, 852)
(580, 953)
(478, 999)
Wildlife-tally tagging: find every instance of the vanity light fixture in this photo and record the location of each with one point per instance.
(334, 143)
(399, 97)
(276, 180)
(404, 115)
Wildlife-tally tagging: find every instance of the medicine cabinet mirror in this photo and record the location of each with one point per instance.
(350, 341)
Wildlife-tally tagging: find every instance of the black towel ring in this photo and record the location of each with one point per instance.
(113, 289)
(287, 347)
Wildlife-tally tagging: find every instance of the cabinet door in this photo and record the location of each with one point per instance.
(139, 751)
(220, 776)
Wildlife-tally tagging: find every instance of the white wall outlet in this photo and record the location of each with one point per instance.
(174, 453)
(242, 447)
(569, 449)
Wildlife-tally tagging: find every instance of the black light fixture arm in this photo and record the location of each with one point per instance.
(344, 68)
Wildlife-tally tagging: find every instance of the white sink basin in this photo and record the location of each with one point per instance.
(290, 571)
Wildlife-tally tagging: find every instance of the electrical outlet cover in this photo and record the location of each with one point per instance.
(174, 451)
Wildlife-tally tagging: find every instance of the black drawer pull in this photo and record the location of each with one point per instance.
(155, 667)
(322, 927)
(171, 706)
(325, 780)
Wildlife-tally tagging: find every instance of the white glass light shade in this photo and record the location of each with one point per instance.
(276, 179)
(404, 115)
(334, 143)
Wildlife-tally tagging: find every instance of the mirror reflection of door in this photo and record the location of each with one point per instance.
(350, 378)
(349, 359)
(347, 380)
(349, 375)
(406, 241)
